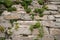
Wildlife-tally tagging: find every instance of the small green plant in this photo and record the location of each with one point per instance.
(17, 2)
(28, 2)
(9, 32)
(36, 39)
(16, 26)
(2, 38)
(40, 28)
(32, 16)
(41, 2)
(1, 12)
(12, 20)
(1, 28)
(28, 10)
(8, 3)
(41, 15)
(25, 4)
(39, 11)
(10, 9)
(1, 1)
(45, 7)
(36, 10)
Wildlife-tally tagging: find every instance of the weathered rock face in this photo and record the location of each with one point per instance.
(50, 21)
(54, 0)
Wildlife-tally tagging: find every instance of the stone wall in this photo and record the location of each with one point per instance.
(50, 21)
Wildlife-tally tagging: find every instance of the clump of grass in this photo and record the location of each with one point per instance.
(2, 38)
(28, 10)
(10, 9)
(17, 2)
(12, 21)
(41, 2)
(8, 3)
(16, 26)
(32, 16)
(40, 28)
(1, 28)
(41, 10)
(25, 4)
(28, 2)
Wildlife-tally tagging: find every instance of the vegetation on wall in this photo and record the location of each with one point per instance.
(17, 2)
(12, 20)
(2, 38)
(10, 9)
(9, 32)
(41, 10)
(1, 13)
(41, 2)
(16, 26)
(8, 4)
(28, 2)
(39, 27)
(28, 10)
(1, 28)
(32, 16)
(25, 4)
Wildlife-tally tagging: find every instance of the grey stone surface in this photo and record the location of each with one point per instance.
(57, 23)
(2, 34)
(50, 21)
(54, 0)
(48, 37)
(41, 18)
(58, 20)
(12, 16)
(5, 23)
(54, 12)
(57, 16)
(50, 12)
(25, 17)
(57, 37)
(26, 22)
(54, 31)
(52, 7)
(45, 23)
(46, 12)
(8, 39)
(6, 13)
(23, 38)
(51, 17)
(55, 3)
(22, 30)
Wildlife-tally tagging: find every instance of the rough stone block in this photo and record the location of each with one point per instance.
(54, 31)
(41, 18)
(12, 16)
(2, 34)
(51, 17)
(54, 0)
(52, 7)
(48, 37)
(22, 31)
